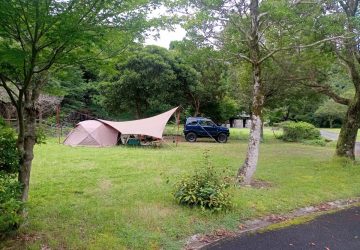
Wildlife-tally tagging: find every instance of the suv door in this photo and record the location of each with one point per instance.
(208, 129)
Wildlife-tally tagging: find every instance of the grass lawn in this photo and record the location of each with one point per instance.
(118, 198)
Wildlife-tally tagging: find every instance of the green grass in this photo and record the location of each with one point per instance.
(119, 198)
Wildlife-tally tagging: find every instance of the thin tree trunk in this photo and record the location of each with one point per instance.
(195, 104)
(138, 109)
(247, 170)
(40, 115)
(347, 138)
(197, 108)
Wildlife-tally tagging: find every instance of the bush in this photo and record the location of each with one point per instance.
(316, 142)
(299, 131)
(10, 203)
(10, 189)
(206, 188)
(9, 155)
(40, 135)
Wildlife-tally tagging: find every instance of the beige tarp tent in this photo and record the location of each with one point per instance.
(106, 133)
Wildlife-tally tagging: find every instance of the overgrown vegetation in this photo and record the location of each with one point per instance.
(208, 188)
(10, 203)
(9, 156)
(299, 131)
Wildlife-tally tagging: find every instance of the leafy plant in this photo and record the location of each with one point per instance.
(40, 135)
(9, 155)
(299, 131)
(206, 188)
(10, 204)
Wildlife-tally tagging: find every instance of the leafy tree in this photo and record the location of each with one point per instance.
(331, 111)
(152, 79)
(36, 36)
(256, 32)
(210, 96)
(344, 21)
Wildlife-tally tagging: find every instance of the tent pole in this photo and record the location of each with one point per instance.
(178, 127)
(58, 121)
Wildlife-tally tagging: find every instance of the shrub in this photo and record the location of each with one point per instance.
(2, 122)
(10, 189)
(299, 131)
(316, 142)
(40, 135)
(9, 155)
(206, 188)
(10, 203)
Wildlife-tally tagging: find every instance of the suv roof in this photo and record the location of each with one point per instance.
(191, 119)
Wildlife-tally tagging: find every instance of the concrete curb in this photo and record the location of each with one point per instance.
(199, 241)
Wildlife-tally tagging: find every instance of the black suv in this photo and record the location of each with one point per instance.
(203, 127)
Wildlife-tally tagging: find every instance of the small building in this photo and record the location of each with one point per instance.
(242, 120)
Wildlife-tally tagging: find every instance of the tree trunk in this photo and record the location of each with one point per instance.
(26, 142)
(138, 109)
(347, 138)
(195, 104)
(247, 170)
(262, 132)
(40, 115)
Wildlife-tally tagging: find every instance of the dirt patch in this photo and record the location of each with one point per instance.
(153, 211)
(20, 240)
(215, 236)
(260, 184)
(199, 241)
(105, 185)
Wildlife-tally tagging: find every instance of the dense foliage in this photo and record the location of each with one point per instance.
(9, 156)
(149, 81)
(206, 188)
(299, 131)
(10, 203)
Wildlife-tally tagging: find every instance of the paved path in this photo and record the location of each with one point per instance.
(334, 136)
(329, 135)
(337, 231)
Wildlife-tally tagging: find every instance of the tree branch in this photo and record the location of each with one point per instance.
(8, 90)
(302, 46)
(326, 90)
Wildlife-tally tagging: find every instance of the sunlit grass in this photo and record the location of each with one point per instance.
(117, 198)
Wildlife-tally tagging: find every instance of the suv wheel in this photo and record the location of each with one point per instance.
(191, 137)
(222, 138)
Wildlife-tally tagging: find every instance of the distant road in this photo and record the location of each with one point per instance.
(334, 136)
(329, 135)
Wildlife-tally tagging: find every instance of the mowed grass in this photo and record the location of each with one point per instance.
(119, 198)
